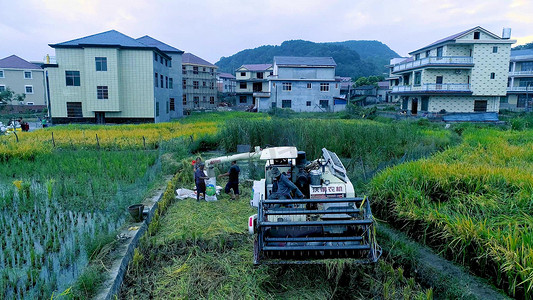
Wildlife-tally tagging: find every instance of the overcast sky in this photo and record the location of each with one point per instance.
(215, 28)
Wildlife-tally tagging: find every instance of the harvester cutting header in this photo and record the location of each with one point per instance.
(306, 210)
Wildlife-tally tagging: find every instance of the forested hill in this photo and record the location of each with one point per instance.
(353, 58)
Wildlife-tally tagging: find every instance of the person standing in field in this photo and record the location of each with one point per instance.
(233, 180)
(199, 179)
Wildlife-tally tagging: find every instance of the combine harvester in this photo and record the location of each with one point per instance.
(330, 222)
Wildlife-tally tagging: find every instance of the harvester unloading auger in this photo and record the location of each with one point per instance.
(329, 222)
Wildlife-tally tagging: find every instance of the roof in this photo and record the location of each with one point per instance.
(189, 58)
(304, 61)
(107, 38)
(16, 62)
(150, 41)
(226, 75)
(365, 87)
(525, 52)
(454, 37)
(257, 67)
(383, 84)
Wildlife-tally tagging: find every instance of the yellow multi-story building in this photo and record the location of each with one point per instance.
(465, 72)
(111, 77)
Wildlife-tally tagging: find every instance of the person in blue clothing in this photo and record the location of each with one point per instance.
(233, 181)
(199, 179)
(282, 186)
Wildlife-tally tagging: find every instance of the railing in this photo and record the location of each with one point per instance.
(433, 87)
(520, 89)
(518, 73)
(261, 94)
(49, 59)
(434, 60)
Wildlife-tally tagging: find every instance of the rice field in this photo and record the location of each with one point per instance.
(474, 202)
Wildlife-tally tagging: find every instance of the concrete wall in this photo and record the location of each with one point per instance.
(15, 81)
(300, 95)
(304, 73)
(487, 62)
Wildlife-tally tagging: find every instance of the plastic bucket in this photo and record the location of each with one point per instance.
(136, 212)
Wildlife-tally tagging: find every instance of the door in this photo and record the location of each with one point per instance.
(438, 83)
(480, 105)
(414, 106)
(100, 117)
(425, 103)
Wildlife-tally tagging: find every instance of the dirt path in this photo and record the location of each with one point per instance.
(446, 278)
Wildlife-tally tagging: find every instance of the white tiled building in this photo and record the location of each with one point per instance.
(111, 77)
(520, 83)
(465, 72)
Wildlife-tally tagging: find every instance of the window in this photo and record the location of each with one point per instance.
(427, 53)
(166, 63)
(211, 100)
(168, 107)
(195, 70)
(418, 77)
(495, 49)
(28, 89)
(184, 100)
(196, 100)
(308, 85)
(27, 74)
(2, 88)
(195, 85)
(243, 73)
(287, 86)
(161, 59)
(203, 69)
(157, 109)
(170, 64)
(417, 56)
(476, 35)
(30, 103)
(204, 84)
(102, 92)
(439, 52)
(286, 103)
(242, 85)
(74, 110)
(526, 66)
(324, 103)
(212, 86)
(1, 73)
(156, 79)
(242, 99)
(166, 82)
(171, 83)
(324, 87)
(101, 63)
(183, 70)
(308, 103)
(172, 104)
(184, 83)
(271, 73)
(504, 100)
(161, 77)
(72, 78)
(155, 56)
(260, 75)
(492, 75)
(204, 99)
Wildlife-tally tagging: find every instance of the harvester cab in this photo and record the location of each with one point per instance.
(330, 222)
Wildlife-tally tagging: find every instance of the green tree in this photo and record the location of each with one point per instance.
(7, 95)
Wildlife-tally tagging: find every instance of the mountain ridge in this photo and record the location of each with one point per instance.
(354, 58)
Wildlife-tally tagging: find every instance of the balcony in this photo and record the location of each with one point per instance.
(521, 73)
(520, 89)
(261, 94)
(434, 61)
(433, 88)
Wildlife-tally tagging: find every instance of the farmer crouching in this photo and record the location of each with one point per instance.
(282, 186)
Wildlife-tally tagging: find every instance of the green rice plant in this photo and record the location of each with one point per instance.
(472, 201)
